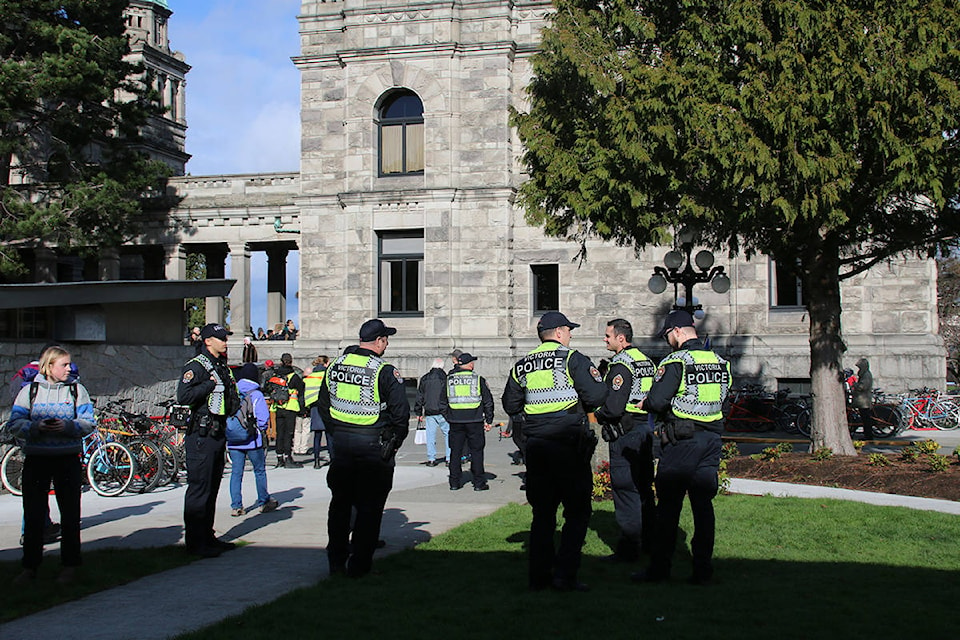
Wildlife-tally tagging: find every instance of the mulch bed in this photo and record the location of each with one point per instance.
(854, 472)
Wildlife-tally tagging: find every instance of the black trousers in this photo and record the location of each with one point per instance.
(556, 474)
(65, 473)
(631, 481)
(358, 480)
(470, 434)
(286, 425)
(205, 461)
(689, 467)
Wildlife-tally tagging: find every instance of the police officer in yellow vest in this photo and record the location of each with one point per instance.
(687, 396)
(364, 407)
(551, 390)
(287, 412)
(207, 386)
(629, 432)
(467, 405)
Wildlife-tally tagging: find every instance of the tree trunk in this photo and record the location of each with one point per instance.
(822, 293)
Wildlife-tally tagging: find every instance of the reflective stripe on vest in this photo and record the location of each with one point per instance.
(293, 402)
(216, 401)
(703, 385)
(641, 370)
(545, 377)
(354, 392)
(311, 387)
(463, 390)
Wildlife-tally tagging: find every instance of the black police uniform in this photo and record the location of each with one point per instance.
(358, 477)
(689, 466)
(631, 461)
(559, 445)
(466, 428)
(205, 444)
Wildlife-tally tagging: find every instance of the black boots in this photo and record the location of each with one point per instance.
(292, 464)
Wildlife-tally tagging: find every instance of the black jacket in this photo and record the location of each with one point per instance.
(196, 384)
(431, 388)
(665, 386)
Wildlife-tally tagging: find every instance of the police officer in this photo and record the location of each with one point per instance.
(467, 405)
(687, 395)
(311, 393)
(553, 388)
(629, 432)
(286, 413)
(208, 387)
(364, 407)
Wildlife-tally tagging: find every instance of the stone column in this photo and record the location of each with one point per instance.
(240, 294)
(216, 258)
(45, 265)
(108, 268)
(176, 262)
(276, 286)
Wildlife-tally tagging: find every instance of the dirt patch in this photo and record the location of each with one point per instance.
(898, 477)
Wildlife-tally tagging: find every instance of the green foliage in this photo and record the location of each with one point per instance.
(928, 446)
(822, 453)
(723, 476)
(878, 460)
(776, 452)
(729, 450)
(196, 307)
(859, 445)
(69, 110)
(601, 481)
(910, 453)
(937, 462)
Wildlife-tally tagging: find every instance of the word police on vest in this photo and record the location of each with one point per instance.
(708, 373)
(539, 364)
(352, 374)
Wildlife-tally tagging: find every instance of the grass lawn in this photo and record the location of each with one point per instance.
(102, 569)
(785, 568)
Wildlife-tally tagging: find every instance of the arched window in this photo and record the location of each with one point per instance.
(400, 125)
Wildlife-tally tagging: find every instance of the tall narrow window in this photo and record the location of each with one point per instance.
(786, 289)
(400, 123)
(546, 287)
(401, 273)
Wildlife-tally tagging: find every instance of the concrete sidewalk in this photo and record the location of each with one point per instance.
(285, 549)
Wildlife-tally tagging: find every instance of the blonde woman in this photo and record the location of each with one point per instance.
(50, 417)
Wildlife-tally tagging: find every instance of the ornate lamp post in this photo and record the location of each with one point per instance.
(687, 275)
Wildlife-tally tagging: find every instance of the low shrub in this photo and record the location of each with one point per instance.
(729, 450)
(822, 453)
(878, 460)
(776, 452)
(938, 463)
(601, 480)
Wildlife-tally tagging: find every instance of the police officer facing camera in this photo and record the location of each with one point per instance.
(553, 387)
(687, 395)
(365, 410)
(208, 387)
(629, 431)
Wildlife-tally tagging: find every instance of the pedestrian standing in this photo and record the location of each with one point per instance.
(287, 411)
(427, 407)
(553, 388)
(253, 449)
(50, 417)
(467, 405)
(364, 406)
(311, 394)
(629, 432)
(249, 351)
(687, 396)
(208, 388)
(863, 396)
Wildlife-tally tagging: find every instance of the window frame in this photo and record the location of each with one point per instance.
(545, 269)
(405, 260)
(404, 123)
(774, 289)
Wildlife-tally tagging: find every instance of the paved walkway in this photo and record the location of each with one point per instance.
(285, 549)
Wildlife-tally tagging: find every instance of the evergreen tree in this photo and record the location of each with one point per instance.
(820, 133)
(70, 109)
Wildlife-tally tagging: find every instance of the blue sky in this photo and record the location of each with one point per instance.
(243, 100)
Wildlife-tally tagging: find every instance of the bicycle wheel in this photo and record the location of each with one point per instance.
(110, 469)
(803, 422)
(171, 463)
(12, 470)
(886, 421)
(943, 415)
(786, 416)
(149, 465)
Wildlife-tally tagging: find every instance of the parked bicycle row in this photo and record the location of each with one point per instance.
(126, 452)
(753, 408)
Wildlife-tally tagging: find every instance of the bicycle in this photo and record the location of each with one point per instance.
(153, 465)
(752, 408)
(925, 409)
(886, 420)
(108, 466)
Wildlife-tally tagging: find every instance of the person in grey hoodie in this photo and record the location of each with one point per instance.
(863, 396)
(50, 417)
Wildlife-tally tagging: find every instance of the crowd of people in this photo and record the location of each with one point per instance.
(357, 405)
